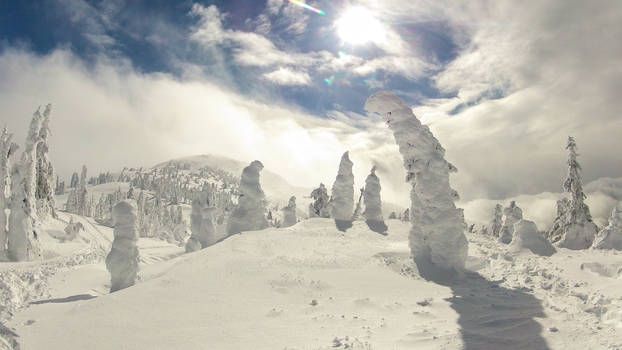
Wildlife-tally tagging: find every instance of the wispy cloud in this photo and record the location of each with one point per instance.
(286, 76)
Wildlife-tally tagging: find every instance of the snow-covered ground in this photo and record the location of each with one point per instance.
(312, 287)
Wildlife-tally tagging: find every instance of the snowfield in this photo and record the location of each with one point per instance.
(313, 287)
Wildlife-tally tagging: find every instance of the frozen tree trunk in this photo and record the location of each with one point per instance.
(249, 214)
(342, 203)
(122, 261)
(610, 237)
(289, 213)
(358, 209)
(373, 203)
(512, 215)
(497, 221)
(578, 230)
(527, 236)
(437, 239)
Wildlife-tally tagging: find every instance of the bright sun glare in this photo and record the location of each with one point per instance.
(359, 26)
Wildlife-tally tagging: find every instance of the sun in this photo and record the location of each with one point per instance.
(359, 26)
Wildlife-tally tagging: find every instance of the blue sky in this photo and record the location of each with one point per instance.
(500, 83)
(155, 37)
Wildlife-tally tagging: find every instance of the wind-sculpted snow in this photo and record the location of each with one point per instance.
(373, 203)
(249, 214)
(342, 200)
(437, 237)
(122, 261)
(610, 237)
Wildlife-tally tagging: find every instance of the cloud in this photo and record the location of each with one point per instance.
(286, 76)
(107, 115)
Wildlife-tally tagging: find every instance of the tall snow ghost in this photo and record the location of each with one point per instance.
(319, 208)
(573, 228)
(122, 261)
(610, 237)
(249, 214)
(511, 215)
(289, 213)
(342, 203)
(22, 241)
(437, 239)
(373, 203)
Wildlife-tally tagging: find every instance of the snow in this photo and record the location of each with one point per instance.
(122, 261)
(311, 286)
(437, 236)
(527, 236)
(610, 237)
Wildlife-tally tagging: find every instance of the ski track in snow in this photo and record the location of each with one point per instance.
(313, 287)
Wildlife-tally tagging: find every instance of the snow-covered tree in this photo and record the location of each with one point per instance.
(7, 149)
(406, 215)
(60, 187)
(573, 227)
(497, 222)
(342, 203)
(392, 216)
(122, 261)
(373, 203)
(45, 184)
(22, 241)
(202, 225)
(289, 213)
(437, 238)
(319, 208)
(511, 215)
(249, 214)
(610, 237)
(75, 180)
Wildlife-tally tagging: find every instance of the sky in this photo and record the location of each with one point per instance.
(501, 84)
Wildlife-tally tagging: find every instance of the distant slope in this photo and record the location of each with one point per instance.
(275, 186)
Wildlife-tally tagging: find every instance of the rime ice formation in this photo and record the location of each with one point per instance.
(573, 227)
(289, 213)
(437, 238)
(319, 208)
(72, 230)
(202, 225)
(610, 237)
(342, 203)
(45, 184)
(511, 215)
(527, 236)
(249, 214)
(122, 261)
(373, 203)
(7, 148)
(497, 221)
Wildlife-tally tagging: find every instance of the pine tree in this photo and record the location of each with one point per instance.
(45, 184)
(74, 180)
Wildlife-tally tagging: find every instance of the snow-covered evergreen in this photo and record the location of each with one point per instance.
(45, 178)
(342, 200)
(610, 237)
(373, 203)
(289, 213)
(437, 238)
(122, 261)
(511, 215)
(573, 227)
(249, 214)
(320, 206)
(406, 215)
(7, 149)
(496, 224)
(202, 225)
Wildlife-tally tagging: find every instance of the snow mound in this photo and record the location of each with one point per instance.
(527, 236)
(610, 237)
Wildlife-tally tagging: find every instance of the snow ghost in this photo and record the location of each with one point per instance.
(319, 208)
(289, 213)
(342, 200)
(202, 225)
(527, 236)
(437, 239)
(122, 261)
(610, 237)
(373, 203)
(249, 214)
(511, 215)
(497, 221)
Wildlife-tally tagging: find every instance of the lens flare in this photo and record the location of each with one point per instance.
(359, 25)
(303, 5)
